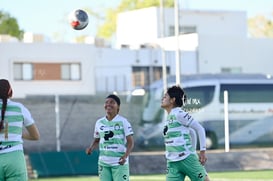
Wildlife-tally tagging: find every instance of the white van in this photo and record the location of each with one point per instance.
(250, 108)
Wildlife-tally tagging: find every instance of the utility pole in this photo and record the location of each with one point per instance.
(177, 57)
(163, 55)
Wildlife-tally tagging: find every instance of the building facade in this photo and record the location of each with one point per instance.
(209, 42)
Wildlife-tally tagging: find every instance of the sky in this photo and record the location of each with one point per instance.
(50, 17)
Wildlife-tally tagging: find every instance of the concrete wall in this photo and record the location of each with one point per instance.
(48, 53)
(218, 161)
(248, 55)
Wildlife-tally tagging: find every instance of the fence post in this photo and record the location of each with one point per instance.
(226, 121)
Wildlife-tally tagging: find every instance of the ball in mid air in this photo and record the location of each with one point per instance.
(78, 19)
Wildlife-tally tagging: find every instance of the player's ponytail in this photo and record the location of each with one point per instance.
(5, 93)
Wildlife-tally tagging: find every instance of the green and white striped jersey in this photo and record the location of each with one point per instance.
(17, 116)
(177, 135)
(112, 136)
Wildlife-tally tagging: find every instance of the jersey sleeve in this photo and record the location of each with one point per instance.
(96, 131)
(193, 138)
(187, 120)
(201, 134)
(128, 130)
(28, 120)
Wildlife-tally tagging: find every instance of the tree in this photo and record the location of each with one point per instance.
(107, 29)
(9, 26)
(260, 27)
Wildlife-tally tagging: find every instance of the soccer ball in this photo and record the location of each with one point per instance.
(78, 19)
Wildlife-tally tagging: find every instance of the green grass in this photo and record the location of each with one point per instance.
(266, 175)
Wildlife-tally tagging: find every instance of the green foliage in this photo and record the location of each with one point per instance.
(109, 27)
(9, 26)
(261, 27)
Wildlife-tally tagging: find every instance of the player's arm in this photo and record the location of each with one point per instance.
(193, 138)
(93, 145)
(31, 133)
(130, 146)
(202, 140)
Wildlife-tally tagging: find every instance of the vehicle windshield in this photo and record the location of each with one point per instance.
(198, 97)
(247, 93)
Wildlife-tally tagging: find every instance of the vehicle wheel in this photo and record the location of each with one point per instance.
(211, 140)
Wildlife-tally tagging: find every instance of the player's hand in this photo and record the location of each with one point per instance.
(202, 157)
(88, 151)
(122, 160)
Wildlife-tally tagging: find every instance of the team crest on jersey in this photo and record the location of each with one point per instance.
(117, 127)
(171, 119)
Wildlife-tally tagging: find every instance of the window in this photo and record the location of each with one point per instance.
(23, 71)
(182, 30)
(198, 97)
(231, 70)
(70, 72)
(141, 75)
(47, 71)
(243, 93)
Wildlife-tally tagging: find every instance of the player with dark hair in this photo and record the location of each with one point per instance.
(182, 159)
(14, 117)
(114, 136)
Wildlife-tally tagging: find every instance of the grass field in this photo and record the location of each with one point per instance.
(266, 175)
